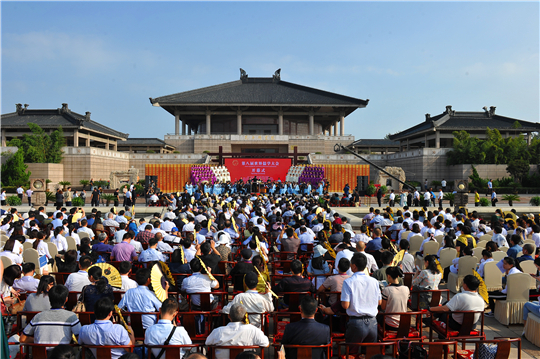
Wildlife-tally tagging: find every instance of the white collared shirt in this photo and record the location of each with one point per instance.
(76, 281)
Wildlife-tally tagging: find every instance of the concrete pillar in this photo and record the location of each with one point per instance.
(183, 128)
(311, 123)
(426, 144)
(75, 138)
(437, 139)
(208, 123)
(342, 123)
(280, 122)
(408, 144)
(88, 141)
(107, 144)
(334, 128)
(239, 122)
(176, 124)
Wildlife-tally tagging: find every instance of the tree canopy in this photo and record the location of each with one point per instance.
(494, 149)
(14, 171)
(40, 147)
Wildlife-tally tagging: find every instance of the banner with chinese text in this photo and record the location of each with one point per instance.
(264, 169)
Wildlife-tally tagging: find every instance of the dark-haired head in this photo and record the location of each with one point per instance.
(44, 285)
(431, 264)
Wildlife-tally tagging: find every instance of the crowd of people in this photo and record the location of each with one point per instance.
(212, 237)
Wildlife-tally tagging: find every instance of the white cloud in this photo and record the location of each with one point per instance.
(81, 51)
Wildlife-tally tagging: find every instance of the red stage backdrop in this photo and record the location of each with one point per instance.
(263, 169)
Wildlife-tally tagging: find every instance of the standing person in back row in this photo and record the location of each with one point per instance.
(490, 187)
(443, 185)
(379, 196)
(360, 297)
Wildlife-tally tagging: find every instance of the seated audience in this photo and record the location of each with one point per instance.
(164, 332)
(236, 333)
(104, 332)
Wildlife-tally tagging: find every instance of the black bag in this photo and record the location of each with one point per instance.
(417, 351)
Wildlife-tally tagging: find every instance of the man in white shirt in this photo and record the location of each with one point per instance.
(371, 262)
(305, 238)
(76, 281)
(467, 300)
(27, 282)
(120, 218)
(110, 222)
(198, 282)
(167, 225)
(427, 198)
(125, 270)
(158, 333)
(84, 228)
(236, 333)
(29, 195)
(252, 300)
(20, 192)
(360, 297)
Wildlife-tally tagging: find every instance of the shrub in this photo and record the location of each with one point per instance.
(436, 183)
(176, 151)
(383, 189)
(84, 183)
(448, 196)
(100, 183)
(150, 151)
(14, 201)
(535, 201)
(108, 197)
(484, 202)
(511, 197)
(77, 202)
(50, 197)
(370, 191)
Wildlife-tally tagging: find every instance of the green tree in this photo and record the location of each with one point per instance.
(518, 169)
(14, 171)
(40, 147)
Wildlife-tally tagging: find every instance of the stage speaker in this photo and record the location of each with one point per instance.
(150, 181)
(361, 184)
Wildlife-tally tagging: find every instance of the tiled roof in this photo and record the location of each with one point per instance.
(375, 142)
(55, 118)
(133, 141)
(453, 121)
(259, 91)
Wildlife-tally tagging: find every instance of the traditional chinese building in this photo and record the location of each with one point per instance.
(258, 115)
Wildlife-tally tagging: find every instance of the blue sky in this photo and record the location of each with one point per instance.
(408, 58)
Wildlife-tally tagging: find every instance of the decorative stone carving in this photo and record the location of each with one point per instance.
(384, 180)
(120, 178)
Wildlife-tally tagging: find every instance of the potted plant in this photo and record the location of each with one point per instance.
(449, 197)
(49, 197)
(383, 190)
(64, 184)
(77, 202)
(484, 202)
(535, 201)
(511, 198)
(107, 198)
(14, 201)
(84, 183)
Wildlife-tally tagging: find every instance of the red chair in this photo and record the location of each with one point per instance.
(134, 319)
(504, 348)
(29, 316)
(171, 351)
(283, 266)
(118, 294)
(104, 351)
(85, 317)
(406, 329)
(303, 351)
(36, 351)
(407, 280)
(465, 333)
(206, 303)
(282, 256)
(60, 277)
(276, 278)
(371, 349)
(280, 320)
(436, 295)
(72, 300)
(190, 321)
(436, 350)
(235, 350)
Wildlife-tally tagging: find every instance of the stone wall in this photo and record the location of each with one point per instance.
(51, 171)
(140, 160)
(89, 162)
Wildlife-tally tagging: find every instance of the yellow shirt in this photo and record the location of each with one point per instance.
(476, 197)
